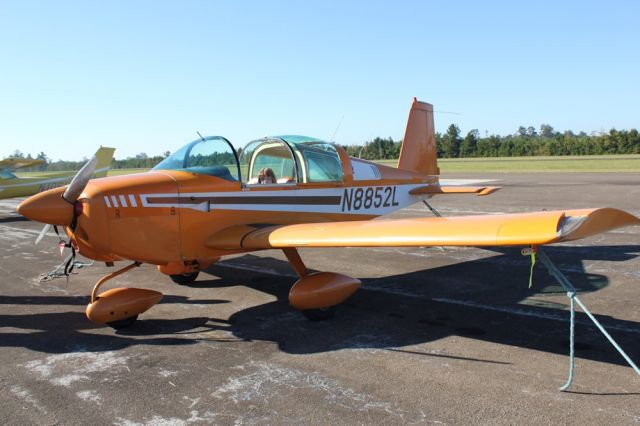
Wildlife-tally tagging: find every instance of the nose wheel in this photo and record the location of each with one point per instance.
(123, 323)
(119, 307)
(321, 314)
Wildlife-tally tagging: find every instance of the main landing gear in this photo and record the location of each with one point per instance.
(184, 279)
(320, 314)
(317, 294)
(119, 307)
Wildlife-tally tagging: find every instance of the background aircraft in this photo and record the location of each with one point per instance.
(204, 202)
(13, 186)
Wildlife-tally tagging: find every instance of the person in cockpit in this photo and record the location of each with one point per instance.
(266, 176)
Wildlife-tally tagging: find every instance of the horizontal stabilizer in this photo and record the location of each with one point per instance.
(436, 189)
(521, 229)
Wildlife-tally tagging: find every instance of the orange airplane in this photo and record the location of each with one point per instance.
(208, 200)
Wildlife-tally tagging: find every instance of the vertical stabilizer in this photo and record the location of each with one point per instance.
(419, 153)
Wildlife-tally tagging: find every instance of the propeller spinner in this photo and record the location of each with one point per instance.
(58, 206)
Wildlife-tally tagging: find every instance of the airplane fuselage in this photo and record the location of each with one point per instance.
(176, 212)
(24, 186)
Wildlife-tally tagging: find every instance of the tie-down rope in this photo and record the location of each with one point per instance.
(571, 294)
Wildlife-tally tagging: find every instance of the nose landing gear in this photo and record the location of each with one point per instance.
(119, 307)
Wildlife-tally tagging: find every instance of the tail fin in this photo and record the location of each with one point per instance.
(419, 153)
(104, 157)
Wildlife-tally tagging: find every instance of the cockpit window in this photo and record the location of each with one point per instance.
(268, 153)
(212, 156)
(322, 161)
(6, 174)
(292, 158)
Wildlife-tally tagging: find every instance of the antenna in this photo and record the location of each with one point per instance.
(447, 112)
(336, 130)
(200, 136)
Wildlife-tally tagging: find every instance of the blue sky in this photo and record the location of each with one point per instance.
(143, 76)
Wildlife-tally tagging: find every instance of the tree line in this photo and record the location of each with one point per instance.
(527, 141)
(140, 161)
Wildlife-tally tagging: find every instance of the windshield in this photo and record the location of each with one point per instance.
(212, 156)
(6, 174)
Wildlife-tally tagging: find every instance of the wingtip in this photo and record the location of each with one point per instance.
(584, 223)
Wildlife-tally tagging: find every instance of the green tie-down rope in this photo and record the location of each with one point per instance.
(572, 327)
(531, 251)
(571, 294)
(533, 263)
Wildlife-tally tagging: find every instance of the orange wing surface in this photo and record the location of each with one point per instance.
(520, 229)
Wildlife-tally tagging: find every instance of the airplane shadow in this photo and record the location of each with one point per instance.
(12, 219)
(479, 299)
(64, 332)
(84, 300)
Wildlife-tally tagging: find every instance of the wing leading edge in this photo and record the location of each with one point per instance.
(521, 229)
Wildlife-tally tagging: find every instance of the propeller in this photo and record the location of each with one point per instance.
(79, 181)
(42, 233)
(73, 191)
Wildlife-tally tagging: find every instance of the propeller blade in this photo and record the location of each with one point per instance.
(42, 233)
(79, 181)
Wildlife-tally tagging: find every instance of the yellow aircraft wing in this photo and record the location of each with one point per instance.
(520, 229)
(11, 163)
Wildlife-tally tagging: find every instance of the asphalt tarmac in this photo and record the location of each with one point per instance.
(451, 336)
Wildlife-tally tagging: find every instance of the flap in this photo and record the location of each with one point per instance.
(520, 229)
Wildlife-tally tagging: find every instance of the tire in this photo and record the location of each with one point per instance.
(321, 314)
(184, 279)
(123, 323)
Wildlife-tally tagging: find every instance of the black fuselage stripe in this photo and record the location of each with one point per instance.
(301, 200)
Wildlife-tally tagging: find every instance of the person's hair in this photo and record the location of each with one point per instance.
(266, 172)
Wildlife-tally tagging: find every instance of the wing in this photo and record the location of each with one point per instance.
(521, 229)
(18, 163)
